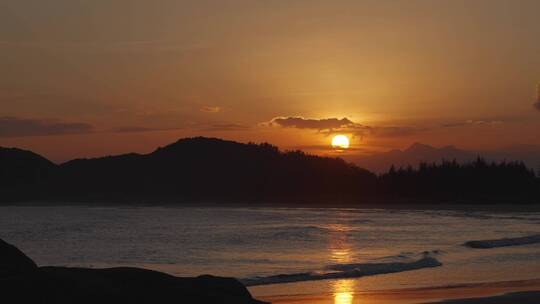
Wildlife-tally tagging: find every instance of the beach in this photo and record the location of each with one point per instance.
(493, 293)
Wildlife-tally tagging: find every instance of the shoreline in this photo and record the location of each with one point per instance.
(406, 205)
(524, 297)
(492, 292)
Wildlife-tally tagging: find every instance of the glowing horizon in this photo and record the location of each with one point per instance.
(387, 74)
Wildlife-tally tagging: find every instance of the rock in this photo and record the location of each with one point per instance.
(14, 262)
(116, 285)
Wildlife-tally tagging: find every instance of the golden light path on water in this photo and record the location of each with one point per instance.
(340, 253)
(343, 291)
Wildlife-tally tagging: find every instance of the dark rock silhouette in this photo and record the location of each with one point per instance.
(13, 262)
(28, 283)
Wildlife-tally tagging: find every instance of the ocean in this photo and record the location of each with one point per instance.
(283, 251)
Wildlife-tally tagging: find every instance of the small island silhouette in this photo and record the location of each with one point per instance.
(203, 169)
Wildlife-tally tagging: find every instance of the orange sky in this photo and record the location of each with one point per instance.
(88, 78)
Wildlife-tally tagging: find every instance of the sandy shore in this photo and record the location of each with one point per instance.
(524, 297)
(522, 292)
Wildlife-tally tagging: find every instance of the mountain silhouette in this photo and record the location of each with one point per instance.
(20, 169)
(212, 170)
(200, 169)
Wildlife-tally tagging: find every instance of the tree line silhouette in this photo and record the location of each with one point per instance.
(215, 170)
(478, 179)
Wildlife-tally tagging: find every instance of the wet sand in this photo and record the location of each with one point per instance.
(524, 297)
(493, 293)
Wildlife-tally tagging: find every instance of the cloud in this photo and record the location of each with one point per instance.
(19, 127)
(306, 123)
(471, 122)
(136, 129)
(379, 131)
(227, 127)
(537, 103)
(211, 109)
(331, 126)
(394, 131)
(200, 127)
(121, 46)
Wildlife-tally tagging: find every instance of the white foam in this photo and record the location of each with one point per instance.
(342, 271)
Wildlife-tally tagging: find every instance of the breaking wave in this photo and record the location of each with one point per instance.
(486, 244)
(343, 271)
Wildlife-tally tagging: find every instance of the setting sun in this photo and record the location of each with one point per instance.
(340, 141)
(289, 152)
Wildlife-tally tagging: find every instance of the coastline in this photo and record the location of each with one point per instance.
(335, 242)
(378, 204)
(526, 291)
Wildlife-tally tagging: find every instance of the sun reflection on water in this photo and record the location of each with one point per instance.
(340, 249)
(343, 291)
(341, 253)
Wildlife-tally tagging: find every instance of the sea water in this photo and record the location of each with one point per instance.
(314, 247)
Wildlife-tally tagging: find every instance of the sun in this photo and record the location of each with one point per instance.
(340, 142)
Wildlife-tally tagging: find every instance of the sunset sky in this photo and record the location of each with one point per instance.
(88, 78)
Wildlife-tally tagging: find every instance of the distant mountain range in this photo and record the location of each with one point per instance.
(212, 170)
(418, 153)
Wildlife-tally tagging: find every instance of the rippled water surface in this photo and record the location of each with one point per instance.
(250, 243)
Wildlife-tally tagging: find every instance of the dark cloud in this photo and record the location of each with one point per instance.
(394, 131)
(315, 124)
(537, 103)
(453, 124)
(201, 127)
(329, 148)
(227, 127)
(19, 127)
(136, 129)
(471, 122)
(331, 126)
(379, 131)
